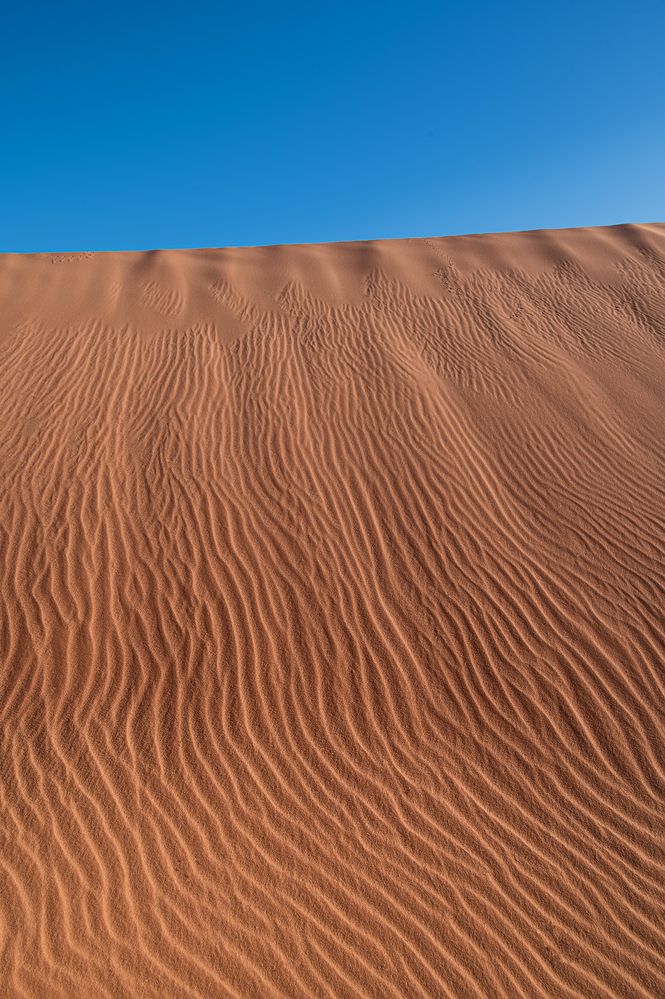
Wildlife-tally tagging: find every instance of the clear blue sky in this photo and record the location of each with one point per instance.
(143, 125)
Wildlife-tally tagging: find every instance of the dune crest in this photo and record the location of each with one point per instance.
(332, 620)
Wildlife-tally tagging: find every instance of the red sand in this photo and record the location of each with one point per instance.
(332, 626)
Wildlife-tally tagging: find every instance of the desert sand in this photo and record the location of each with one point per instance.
(333, 620)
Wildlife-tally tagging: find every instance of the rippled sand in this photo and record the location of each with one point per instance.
(332, 624)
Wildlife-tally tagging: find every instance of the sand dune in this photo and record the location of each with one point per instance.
(332, 627)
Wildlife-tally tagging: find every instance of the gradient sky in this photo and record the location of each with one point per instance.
(145, 125)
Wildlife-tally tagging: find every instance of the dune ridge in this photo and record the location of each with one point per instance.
(332, 628)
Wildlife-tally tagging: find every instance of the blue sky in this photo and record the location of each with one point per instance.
(146, 125)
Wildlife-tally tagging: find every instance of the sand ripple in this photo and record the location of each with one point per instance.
(332, 629)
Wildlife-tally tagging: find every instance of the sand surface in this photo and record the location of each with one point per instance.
(332, 626)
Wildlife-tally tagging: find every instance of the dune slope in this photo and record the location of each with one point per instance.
(332, 628)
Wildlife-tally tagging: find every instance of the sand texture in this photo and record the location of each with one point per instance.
(332, 630)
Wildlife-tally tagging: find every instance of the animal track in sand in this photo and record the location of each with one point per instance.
(70, 258)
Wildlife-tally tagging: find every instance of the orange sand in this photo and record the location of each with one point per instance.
(332, 624)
